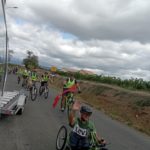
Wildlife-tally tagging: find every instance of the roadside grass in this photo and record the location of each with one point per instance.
(143, 103)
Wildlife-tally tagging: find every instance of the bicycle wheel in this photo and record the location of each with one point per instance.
(33, 93)
(46, 91)
(63, 105)
(61, 138)
(40, 90)
(69, 107)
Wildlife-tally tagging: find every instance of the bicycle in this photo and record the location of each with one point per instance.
(62, 141)
(33, 91)
(44, 89)
(69, 101)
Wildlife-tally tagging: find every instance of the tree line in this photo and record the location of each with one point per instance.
(132, 84)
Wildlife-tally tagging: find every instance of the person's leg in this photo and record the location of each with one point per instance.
(42, 86)
(63, 100)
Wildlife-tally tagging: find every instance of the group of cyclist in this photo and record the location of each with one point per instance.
(80, 137)
(30, 77)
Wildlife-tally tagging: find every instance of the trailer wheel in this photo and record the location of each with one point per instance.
(20, 111)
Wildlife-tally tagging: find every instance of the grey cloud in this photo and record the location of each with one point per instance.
(110, 42)
(105, 20)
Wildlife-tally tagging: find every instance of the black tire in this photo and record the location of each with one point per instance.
(40, 90)
(20, 112)
(61, 136)
(69, 106)
(65, 103)
(67, 148)
(33, 93)
(68, 110)
(46, 92)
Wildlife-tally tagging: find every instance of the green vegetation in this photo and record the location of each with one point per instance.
(31, 61)
(133, 84)
(143, 103)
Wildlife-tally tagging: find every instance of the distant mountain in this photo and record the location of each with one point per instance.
(16, 61)
(45, 67)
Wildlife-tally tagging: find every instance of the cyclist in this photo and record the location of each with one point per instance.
(33, 78)
(45, 78)
(69, 83)
(80, 138)
(34, 75)
(25, 75)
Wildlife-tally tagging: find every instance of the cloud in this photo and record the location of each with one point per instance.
(109, 37)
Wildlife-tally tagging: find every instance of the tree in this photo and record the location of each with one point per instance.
(31, 61)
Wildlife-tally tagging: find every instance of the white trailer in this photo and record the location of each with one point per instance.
(12, 103)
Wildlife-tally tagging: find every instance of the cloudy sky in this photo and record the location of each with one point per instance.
(109, 37)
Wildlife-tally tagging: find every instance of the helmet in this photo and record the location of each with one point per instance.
(86, 109)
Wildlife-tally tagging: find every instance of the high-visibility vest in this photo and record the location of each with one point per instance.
(69, 83)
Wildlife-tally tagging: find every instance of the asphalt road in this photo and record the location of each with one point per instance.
(37, 127)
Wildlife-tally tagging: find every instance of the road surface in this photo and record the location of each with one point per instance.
(37, 128)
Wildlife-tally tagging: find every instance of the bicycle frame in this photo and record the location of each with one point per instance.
(94, 142)
(69, 99)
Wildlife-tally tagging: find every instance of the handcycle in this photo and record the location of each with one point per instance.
(62, 141)
(44, 90)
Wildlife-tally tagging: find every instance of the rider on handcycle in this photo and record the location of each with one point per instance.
(79, 138)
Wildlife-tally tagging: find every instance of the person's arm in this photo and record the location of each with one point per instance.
(72, 116)
(98, 138)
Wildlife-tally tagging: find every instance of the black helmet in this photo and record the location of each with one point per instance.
(86, 109)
